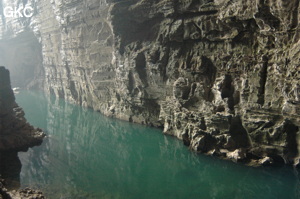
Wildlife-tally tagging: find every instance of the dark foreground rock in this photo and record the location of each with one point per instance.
(26, 193)
(16, 134)
(10, 168)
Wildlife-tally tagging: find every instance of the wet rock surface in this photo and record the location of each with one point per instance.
(221, 75)
(26, 193)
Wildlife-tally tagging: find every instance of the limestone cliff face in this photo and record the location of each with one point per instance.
(221, 75)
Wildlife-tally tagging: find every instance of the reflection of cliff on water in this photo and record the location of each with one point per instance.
(90, 156)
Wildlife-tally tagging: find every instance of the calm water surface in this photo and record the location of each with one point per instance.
(90, 156)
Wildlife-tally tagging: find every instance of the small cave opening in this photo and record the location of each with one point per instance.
(193, 89)
(291, 139)
(263, 81)
(131, 82)
(207, 75)
(203, 124)
(185, 92)
(239, 133)
(141, 69)
(226, 88)
(208, 67)
(227, 91)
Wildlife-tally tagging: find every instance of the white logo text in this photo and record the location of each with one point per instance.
(27, 12)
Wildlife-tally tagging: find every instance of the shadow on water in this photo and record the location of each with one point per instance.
(10, 169)
(87, 155)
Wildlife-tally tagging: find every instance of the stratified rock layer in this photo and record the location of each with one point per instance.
(221, 75)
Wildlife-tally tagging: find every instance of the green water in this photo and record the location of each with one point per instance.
(90, 156)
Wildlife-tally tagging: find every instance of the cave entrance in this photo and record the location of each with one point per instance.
(141, 69)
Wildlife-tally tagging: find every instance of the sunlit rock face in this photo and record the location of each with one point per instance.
(224, 75)
(221, 75)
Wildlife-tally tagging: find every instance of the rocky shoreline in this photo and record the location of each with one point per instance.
(16, 134)
(26, 193)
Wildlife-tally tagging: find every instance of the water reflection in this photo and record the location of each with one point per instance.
(90, 156)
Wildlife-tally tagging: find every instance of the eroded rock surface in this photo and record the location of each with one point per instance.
(16, 134)
(221, 75)
(21, 194)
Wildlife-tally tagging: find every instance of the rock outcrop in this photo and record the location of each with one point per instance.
(221, 75)
(16, 134)
(21, 194)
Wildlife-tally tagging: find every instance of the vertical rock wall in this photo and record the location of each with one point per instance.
(77, 48)
(221, 75)
(224, 75)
